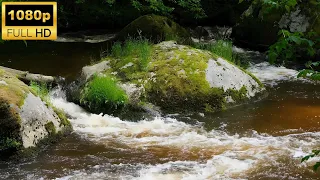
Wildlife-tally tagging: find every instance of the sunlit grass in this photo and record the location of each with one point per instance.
(223, 48)
(102, 94)
(132, 49)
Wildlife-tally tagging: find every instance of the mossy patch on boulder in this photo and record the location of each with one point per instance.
(180, 77)
(25, 120)
(154, 27)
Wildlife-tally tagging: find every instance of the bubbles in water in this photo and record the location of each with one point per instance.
(206, 154)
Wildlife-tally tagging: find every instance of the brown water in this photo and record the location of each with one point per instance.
(261, 140)
(50, 58)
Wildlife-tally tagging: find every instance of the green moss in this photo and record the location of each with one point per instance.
(180, 80)
(175, 79)
(9, 128)
(208, 108)
(102, 94)
(51, 129)
(15, 92)
(9, 144)
(63, 119)
(2, 72)
(238, 95)
(155, 28)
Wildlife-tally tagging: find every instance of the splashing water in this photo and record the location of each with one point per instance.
(184, 151)
(272, 75)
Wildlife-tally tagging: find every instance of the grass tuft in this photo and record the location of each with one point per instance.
(41, 90)
(223, 49)
(102, 94)
(137, 51)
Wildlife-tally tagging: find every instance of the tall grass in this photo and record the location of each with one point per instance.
(41, 89)
(132, 49)
(223, 48)
(102, 94)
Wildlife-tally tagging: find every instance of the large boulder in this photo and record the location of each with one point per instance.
(154, 27)
(178, 78)
(25, 120)
(258, 30)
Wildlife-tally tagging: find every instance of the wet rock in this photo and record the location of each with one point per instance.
(25, 120)
(155, 28)
(183, 78)
(88, 71)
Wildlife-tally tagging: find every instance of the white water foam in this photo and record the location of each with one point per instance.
(271, 75)
(227, 156)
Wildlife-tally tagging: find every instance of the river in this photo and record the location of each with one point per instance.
(260, 140)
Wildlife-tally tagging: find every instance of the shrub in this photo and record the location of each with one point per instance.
(102, 94)
(292, 46)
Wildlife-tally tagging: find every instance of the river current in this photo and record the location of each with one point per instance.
(260, 140)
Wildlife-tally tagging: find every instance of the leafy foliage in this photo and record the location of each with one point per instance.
(290, 46)
(311, 72)
(162, 7)
(314, 153)
(269, 5)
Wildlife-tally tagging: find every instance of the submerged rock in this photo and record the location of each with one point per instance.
(25, 120)
(179, 77)
(156, 28)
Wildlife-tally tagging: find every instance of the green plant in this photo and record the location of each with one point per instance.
(269, 5)
(310, 73)
(102, 94)
(136, 51)
(223, 48)
(160, 7)
(314, 75)
(314, 153)
(41, 90)
(9, 143)
(291, 46)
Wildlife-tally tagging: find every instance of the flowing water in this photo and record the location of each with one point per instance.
(260, 140)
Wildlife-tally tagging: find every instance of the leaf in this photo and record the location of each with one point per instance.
(316, 63)
(295, 39)
(306, 158)
(316, 166)
(315, 76)
(316, 152)
(304, 73)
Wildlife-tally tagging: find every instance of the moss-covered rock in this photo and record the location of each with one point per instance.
(154, 27)
(258, 30)
(179, 77)
(25, 119)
